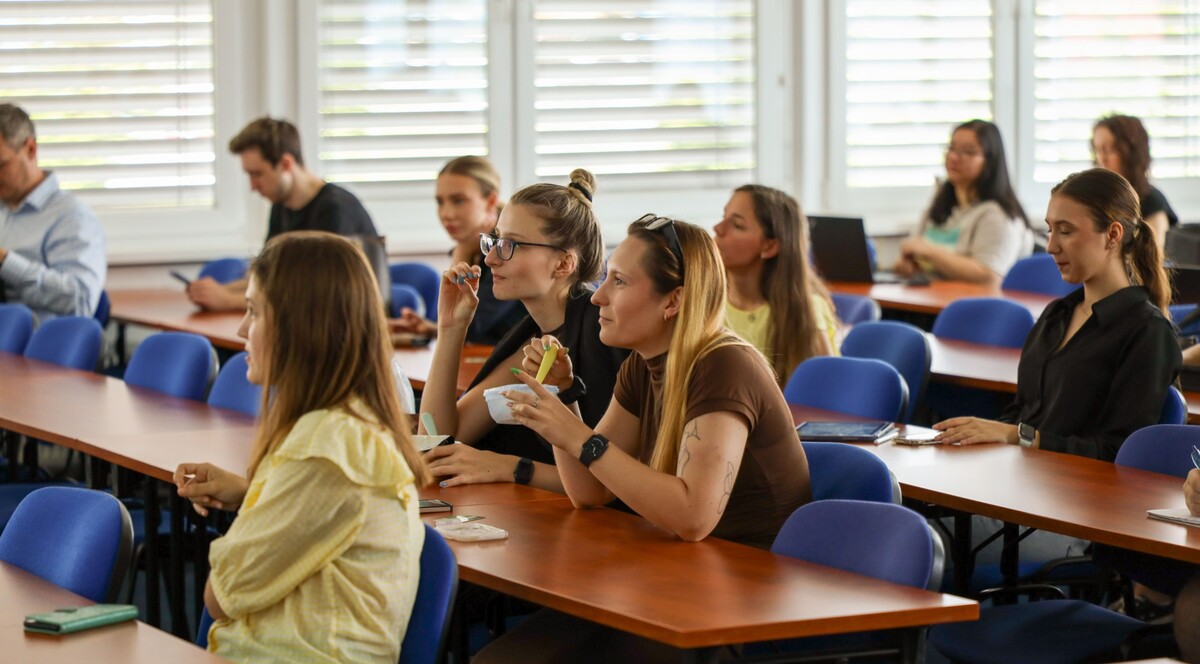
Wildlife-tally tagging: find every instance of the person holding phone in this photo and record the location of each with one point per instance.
(322, 562)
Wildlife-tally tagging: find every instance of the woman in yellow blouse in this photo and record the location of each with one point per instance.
(322, 562)
(775, 301)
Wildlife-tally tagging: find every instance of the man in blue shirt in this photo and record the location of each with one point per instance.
(52, 255)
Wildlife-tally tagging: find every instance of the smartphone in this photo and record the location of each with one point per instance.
(185, 280)
(75, 619)
(918, 436)
(434, 505)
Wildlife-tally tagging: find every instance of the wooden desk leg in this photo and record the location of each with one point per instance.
(964, 562)
(150, 551)
(175, 589)
(701, 655)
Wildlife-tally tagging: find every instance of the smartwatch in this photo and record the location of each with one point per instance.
(1026, 434)
(593, 448)
(524, 471)
(573, 393)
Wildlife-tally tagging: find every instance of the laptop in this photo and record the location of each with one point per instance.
(840, 251)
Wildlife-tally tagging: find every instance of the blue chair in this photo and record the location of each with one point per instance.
(855, 309)
(176, 363)
(1174, 408)
(405, 296)
(76, 538)
(901, 345)
(985, 320)
(425, 279)
(231, 389)
(856, 386)
(206, 621)
(224, 270)
(103, 309)
(425, 639)
(1037, 274)
(841, 471)
(70, 341)
(1161, 448)
(1179, 312)
(16, 325)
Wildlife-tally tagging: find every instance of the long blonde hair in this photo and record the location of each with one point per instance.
(329, 342)
(699, 326)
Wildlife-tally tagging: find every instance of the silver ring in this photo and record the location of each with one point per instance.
(536, 401)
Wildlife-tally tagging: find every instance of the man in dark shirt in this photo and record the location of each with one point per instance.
(300, 200)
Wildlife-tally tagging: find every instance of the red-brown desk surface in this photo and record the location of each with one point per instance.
(619, 570)
(1061, 493)
(936, 296)
(126, 643)
(165, 309)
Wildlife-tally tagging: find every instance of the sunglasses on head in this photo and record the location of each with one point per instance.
(666, 226)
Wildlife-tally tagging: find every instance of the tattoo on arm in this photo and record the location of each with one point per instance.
(728, 488)
(685, 455)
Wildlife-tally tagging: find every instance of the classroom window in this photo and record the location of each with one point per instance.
(649, 96)
(121, 94)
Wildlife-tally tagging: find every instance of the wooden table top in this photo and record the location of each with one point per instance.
(936, 296)
(125, 643)
(689, 595)
(166, 309)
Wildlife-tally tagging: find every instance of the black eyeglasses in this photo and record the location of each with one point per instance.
(654, 222)
(506, 247)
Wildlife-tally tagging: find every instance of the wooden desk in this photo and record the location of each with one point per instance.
(126, 643)
(619, 570)
(936, 296)
(164, 309)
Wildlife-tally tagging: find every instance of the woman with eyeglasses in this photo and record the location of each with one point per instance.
(1121, 144)
(776, 301)
(698, 440)
(468, 203)
(975, 229)
(546, 249)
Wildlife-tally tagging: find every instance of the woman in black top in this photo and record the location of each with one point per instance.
(1097, 364)
(546, 248)
(1120, 144)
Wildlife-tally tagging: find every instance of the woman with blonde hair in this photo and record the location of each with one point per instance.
(698, 439)
(776, 300)
(468, 204)
(322, 562)
(545, 251)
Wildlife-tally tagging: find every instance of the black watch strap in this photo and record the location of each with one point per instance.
(523, 473)
(593, 448)
(573, 393)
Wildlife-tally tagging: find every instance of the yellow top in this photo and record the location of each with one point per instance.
(755, 326)
(322, 562)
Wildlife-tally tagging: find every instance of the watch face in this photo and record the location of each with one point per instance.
(1026, 431)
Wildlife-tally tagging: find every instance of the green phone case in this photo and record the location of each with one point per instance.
(75, 619)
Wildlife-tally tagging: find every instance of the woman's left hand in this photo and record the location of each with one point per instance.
(547, 416)
(972, 430)
(463, 464)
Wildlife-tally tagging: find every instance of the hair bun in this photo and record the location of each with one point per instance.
(584, 183)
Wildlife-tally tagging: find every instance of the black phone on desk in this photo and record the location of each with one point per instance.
(429, 505)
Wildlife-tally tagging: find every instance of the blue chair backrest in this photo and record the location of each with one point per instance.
(177, 363)
(422, 277)
(1037, 274)
(72, 341)
(405, 296)
(16, 324)
(1161, 448)
(879, 540)
(76, 538)
(838, 470)
(855, 309)
(425, 638)
(1174, 409)
(206, 621)
(857, 386)
(985, 320)
(224, 270)
(901, 345)
(103, 308)
(1179, 312)
(231, 389)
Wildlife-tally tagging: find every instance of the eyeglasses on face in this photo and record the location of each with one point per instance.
(666, 225)
(505, 248)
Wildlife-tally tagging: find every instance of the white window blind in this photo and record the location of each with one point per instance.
(649, 95)
(402, 88)
(1137, 57)
(121, 94)
(914, 70)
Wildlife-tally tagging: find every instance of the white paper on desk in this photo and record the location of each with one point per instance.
(1175, 515)
(471, 532)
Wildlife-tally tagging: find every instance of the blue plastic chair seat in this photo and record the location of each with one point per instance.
(856, 386)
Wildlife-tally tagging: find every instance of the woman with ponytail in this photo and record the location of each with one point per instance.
(1096, 366)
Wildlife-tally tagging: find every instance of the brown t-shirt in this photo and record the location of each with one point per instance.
(773, 478)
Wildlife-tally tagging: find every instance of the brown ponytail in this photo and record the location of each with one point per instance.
(1110, 198)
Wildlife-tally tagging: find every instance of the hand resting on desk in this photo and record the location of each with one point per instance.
(452, 465)
(973, 430)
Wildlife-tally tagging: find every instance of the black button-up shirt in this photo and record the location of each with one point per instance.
(1108, 381)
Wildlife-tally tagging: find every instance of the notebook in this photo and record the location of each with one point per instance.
(1175, 515)
(839, 251)
(848, 432)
